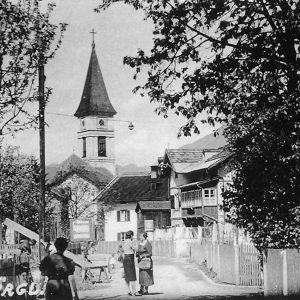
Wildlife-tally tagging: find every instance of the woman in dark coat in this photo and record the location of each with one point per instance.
(59, 270)
(145, 275)
(128, 263)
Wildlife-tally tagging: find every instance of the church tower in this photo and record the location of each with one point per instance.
(95, 114)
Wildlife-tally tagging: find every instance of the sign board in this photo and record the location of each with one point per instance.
(82, 230)
(149, 225)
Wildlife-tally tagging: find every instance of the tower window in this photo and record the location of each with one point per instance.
(84, 147)
(82, 124)
(101, 146)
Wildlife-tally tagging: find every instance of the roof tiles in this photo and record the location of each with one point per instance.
(94, 100)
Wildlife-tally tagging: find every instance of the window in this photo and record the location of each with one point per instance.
(177, 201)
(84, 147)
(210, 197)
(152, 186)
(123, 215)
(82, 124)
(121, 236)
(101, 146)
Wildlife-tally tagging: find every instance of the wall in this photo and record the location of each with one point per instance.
(112, 227)
(281, 272)
(159, 248)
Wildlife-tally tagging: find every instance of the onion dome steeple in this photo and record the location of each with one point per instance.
(94, 100)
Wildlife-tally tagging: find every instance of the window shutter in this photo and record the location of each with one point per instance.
(119, 236)
(128, 212)
(118, 216)
(172, 202)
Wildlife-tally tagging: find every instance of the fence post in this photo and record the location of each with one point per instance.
(284, 273)
(265, 274)
(236, 264)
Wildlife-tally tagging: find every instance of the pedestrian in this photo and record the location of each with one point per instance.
(128, 263)
(59, 270)
(120, 254)
(145, 264)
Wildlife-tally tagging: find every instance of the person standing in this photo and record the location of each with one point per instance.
(60, 270)
(128, 263)
(145, 272)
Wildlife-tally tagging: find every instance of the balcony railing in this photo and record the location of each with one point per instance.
(191, 199)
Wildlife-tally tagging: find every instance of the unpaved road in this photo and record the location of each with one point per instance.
(174, 279)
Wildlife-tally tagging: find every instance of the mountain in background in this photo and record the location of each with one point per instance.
(210, 141)
(132, 169)
(214, 140)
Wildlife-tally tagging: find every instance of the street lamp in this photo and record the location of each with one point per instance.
(130, 126)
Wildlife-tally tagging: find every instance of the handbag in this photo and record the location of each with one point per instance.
(145, 263)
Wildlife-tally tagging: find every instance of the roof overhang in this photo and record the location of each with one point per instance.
(198, 184)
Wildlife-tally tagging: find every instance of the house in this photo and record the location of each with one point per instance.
(197, 178)
(74, 184)
(153, 214)
(130, 193)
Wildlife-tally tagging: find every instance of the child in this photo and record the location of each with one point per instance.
(120, 254)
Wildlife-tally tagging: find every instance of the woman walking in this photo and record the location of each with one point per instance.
(59, 270)
(128, 263)
(144, 255)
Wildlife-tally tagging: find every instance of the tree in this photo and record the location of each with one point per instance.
(19, 187)
(76, 189)
(26, 37)
(237, 62)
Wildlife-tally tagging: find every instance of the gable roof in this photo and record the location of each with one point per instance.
(55, 174)
(94, 100)
(135, 189)
(208, 163)
(153, 205)
(181, 159)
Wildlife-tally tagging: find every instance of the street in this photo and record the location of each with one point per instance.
(173, 279)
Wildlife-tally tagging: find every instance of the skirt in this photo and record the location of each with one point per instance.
(58, 290)
(129, 267)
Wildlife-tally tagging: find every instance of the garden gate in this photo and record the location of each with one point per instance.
(250, 266)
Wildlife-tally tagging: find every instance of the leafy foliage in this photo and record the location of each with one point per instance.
(236, 63)
(27, 38)
(19, 188)
(77, 190)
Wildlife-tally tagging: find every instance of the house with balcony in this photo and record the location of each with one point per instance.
(197, 178)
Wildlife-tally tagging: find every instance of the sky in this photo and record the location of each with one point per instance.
(120, 31)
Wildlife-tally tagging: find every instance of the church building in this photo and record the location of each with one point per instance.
(95, 113)
(78, 179)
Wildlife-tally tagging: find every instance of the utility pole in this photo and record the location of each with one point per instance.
(41, 99)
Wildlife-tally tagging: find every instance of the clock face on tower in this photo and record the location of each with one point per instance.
(101, 122)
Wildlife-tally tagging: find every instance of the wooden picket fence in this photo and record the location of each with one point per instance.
(8, 251)
(250, 266)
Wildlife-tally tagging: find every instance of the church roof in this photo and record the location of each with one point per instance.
(55, 174)
(94, 100)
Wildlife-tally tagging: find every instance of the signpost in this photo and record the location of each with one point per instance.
(82, 230)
